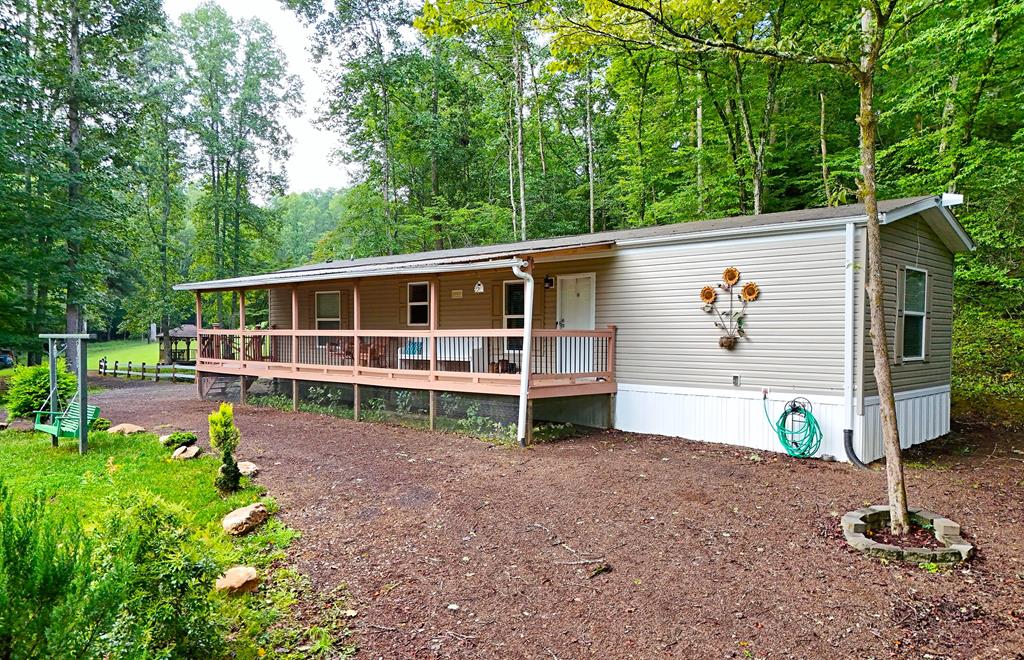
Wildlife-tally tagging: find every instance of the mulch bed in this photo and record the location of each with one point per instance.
(703, 550)
(917, 537)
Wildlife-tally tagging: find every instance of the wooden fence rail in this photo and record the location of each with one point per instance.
(142, 371)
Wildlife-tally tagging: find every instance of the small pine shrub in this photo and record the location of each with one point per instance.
(54, 605)
(224, 436)
(28, 388)
(180, 438)
(100, 424)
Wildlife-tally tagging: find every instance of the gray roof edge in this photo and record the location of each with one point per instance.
(478, 257)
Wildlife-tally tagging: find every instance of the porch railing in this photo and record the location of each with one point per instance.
(558, 356)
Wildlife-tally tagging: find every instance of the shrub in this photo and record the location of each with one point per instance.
(53, 604)
(168, 611)
(141, 589)
(224, 438)
(180, 438)
(28, 388)
(100, 424)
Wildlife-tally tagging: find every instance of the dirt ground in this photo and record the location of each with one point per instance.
(617, 545)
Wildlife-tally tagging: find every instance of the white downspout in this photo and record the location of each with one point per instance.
(524, 371)
(849, 318)
(848, 323)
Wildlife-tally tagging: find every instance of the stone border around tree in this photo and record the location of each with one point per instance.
(856, 523)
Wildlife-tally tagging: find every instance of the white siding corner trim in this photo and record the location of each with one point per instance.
(738, 417)
(921, 414)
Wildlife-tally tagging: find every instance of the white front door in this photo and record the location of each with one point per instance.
(575, 311)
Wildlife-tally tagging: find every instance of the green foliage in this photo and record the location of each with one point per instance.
(132, 473)
(179, 438)
(167, 611)
(224, 436)
(988, 356)
(52, 604)
(100, 424)
(28, 388)
(140, 588)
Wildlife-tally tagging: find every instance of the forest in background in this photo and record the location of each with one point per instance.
(136, 153)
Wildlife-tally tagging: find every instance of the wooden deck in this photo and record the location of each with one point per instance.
(481, 361)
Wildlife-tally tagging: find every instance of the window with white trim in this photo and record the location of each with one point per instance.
(915, 294)
(327, 306)
(513, 312)
(418, 303)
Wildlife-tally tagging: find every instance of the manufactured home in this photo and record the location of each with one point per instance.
(694, 329)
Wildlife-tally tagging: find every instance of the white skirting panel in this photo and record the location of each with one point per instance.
(732, 417)
(737, 417)
(922, 415)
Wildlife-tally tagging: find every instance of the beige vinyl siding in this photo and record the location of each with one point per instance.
(911, 242)
(794, 330)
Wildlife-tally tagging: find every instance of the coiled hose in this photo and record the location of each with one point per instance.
(796, 428)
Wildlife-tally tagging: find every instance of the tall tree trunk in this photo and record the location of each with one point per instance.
(868, 123)
(643, 73)
(726, 116)
(165, 220)
(511, 165)
(73, 312)
(520, 157)
(825, 177)
(700, 155)
(590, 145)
(434, 191)
(537, 114)
(756, 145)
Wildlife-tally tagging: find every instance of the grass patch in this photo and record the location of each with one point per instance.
(262, 624)
(136, 350)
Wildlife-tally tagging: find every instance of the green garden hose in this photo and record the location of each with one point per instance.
(797, 429)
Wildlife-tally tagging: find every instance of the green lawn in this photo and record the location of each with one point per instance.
(136, 350)
(89, 487)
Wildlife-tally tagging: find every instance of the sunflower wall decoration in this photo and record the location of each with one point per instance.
(729, 321)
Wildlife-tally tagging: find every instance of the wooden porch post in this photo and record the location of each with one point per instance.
(357, 324)
(434, 286)
(242, 348)
(295, 348)
(199, 343)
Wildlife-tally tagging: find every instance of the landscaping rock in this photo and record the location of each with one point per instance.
(248, 469)
(126, 429)
(244, 520)
(185, 453)
(856, 523)
(238, 580)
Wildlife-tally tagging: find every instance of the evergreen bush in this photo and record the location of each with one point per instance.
(224, 436)
(28, 388)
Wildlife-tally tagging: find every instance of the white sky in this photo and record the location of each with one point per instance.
(310, 165)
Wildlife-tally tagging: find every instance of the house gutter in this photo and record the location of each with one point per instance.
(849, 344)
(522, 270)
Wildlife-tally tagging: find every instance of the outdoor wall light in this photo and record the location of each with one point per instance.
(478, 287)
(549, 282)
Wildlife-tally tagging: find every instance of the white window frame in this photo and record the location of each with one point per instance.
(923, 315)
(321, 342)
(409, 304)
(505, 316)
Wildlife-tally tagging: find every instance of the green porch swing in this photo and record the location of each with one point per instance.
(75, 420)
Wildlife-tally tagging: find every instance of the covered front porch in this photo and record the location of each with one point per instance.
(490, 328)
